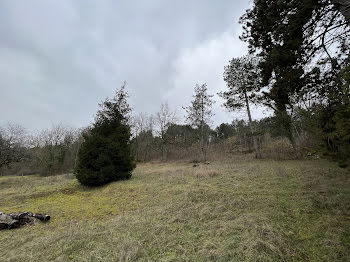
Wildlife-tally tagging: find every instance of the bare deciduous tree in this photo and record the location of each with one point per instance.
(12, 144)
(142, 127)
(54, 150)
(163, 119)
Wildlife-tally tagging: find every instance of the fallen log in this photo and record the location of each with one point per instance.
(23, 218)
(42, 217)
(7, 222)
(15, 220)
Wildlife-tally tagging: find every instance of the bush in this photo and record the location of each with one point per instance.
(105, 154)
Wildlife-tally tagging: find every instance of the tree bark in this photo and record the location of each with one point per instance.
(163, 145)
(294, 144)
(251, 127)
(204, 157)
(202, 144)
(288, 126)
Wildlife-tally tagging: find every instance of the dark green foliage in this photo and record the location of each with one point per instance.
(242, 80)
(224, 131)
(328, 118)
(290, 36)
(344, 7)
(276, 27)
(181, 135)
(105, 154)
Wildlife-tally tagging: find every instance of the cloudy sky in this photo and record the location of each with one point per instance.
(58, 59)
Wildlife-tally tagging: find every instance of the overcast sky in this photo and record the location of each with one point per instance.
(59, 59)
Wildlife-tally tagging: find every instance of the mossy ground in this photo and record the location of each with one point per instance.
(232, 210)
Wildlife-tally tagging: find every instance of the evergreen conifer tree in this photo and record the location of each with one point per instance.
(105, 154)
(199, 114)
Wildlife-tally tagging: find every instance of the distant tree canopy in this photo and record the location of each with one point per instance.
(224, 131)
(105, 154)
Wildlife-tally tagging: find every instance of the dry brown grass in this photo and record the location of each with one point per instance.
(206, 173)
(235, 210)
(277, 148)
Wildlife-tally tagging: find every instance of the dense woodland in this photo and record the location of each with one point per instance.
(298, 66)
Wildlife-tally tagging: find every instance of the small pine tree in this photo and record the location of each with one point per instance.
(105, 154)
(199, 114)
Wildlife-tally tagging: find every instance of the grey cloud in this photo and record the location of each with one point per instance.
(60, 58)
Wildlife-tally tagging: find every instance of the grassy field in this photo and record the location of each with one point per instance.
(233, 210)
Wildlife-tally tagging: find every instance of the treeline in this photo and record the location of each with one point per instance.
(183, 141)
(55, 150)
(159, 137)
(51, 151)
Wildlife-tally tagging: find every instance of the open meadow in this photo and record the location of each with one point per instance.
(230, 210)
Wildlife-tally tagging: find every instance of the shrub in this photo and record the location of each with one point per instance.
(105, 154)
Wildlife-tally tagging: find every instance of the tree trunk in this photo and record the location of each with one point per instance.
(163, 149)
(137, 148)
(286, 123)
(204, 157)
(251, 127)
(77, 155)
(202, 144)
(294, 144)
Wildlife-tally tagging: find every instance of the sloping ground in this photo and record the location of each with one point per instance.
(239, 210)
